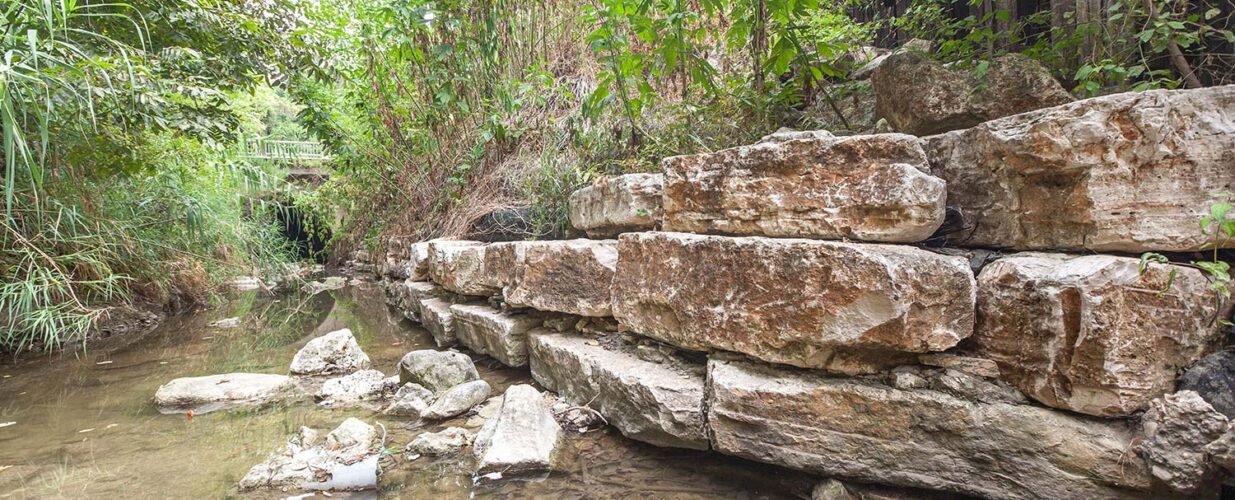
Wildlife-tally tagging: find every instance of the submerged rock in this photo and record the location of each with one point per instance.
(447, 441)
(1092, 333)
(217, 392)
(410, 401)
(846, 307)
(345, 460)
(569, 276)
(657, 402)
(1125, 172)
(458, 400)
(867, 187)
(436, 371)
(866, 431)
(920, 96)
(1177, 429)
(1213, 378)
(523, 437)
(334, 352)
(630, 202)
(364, 385)
(494, 333)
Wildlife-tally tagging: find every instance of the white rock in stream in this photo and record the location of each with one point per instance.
(437, 371)
(346, 460)
(216, 392)
(364, 385)
(458, 400)
(334, 352)
(522, 437)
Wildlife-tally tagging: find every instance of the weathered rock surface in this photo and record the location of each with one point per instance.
(436, 317)
(1213, 378)
(866, 431)
(459, 266)
(418, 261)
(1125, 172)
(334, 352)
(630, 202)
(499, 335)
(522, 437)
(345, 460)
(655, 402)
(1092, 334)
(1177, 429)
(216, 392)
(364, 385)
(807, 303)
(569, 276)
(444, 442)
(1222, 450)
(920, 96)
(867, 187)
(436, 371)
(458, 400)
(410, 401)
(412, 293)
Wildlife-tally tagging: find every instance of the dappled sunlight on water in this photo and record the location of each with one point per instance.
(85, 424)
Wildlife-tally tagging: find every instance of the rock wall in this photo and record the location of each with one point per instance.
(742, 329)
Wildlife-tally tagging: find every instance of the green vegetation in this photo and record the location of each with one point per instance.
(123, 123)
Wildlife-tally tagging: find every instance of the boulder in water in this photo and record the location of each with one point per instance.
(458, 400)
(437, 371)
(345, 460)
(216, 392)
(523, 437)
(332, 353)
(444, 442)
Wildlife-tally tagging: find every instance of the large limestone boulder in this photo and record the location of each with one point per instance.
(847, 307)
(459, 266)
(1178, 427)
(630, 202)
(656, 401)
(436, 371)
(919, 96)
(497, 334)
(523, 437)
(347, 459)
(870, 432)
(867, 187)
(418, 261)
(334, 352)
(571, 276)
(1125, 172)
(217, 392)
(1092, 334)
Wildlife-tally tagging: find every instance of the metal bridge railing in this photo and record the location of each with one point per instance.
(290, 151)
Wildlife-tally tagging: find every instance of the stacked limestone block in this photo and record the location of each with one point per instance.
(775, 301)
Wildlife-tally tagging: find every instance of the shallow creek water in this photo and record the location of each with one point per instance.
(86, 427)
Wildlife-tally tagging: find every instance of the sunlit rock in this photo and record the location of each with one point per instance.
(459, 266)
(846, 307)
(1092, 333)
(216, 392)
(334, 352)
(569, 277)
(499, 335)
(436, 371)
(630, 202)
(1124, 172)
(523, 437)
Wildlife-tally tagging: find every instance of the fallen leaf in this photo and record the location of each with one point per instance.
(162, 362)
(6, 424)
(413, 456)
(207, 338)
(492, 476)
(4, 467)
(593, 342)
(83, 431)
(105, 362)
(109, 426)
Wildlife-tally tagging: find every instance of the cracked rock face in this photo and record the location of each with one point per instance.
(920, 96)
(459, 266)
(868, 187)
(1092, 334)
(522, 437)
(846, 307)
(332, 353)
(655, 402)
(630, 202)
(1178, 427)
(1125, 172)
(571, 276)
(499, 335)
(870, 432)
(216, 392)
